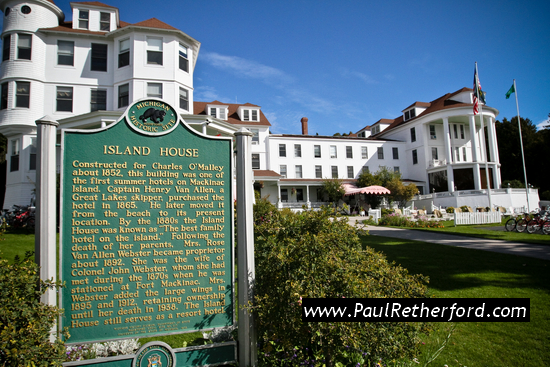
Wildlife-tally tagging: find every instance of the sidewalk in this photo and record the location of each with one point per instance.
(504, 247)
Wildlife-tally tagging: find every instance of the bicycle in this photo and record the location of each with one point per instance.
(537, 222)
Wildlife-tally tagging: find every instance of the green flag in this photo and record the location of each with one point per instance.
(510, 91)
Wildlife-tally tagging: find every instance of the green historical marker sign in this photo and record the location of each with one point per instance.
(146, 240)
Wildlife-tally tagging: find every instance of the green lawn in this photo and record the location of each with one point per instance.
(488, 231)
(460, 273)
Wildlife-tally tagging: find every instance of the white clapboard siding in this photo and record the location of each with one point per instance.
(477, 218)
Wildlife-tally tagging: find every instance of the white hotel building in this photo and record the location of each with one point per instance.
(85, 72)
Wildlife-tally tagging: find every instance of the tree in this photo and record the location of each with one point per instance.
(535, 144)
(334, 189)
(401, 193)
(381, 178)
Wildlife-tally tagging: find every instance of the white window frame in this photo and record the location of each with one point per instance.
(123, 50)
(298, 171)
(298, 150)
(83, 22)
(364, 152)
(66, 52)
(155, 46)
(333, 151)
(154, 93)
(283, 171)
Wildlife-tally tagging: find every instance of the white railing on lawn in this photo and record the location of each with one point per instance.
(477, 218)
(376, 214)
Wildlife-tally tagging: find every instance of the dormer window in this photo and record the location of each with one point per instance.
(218, 112)
(410, 114)
(83, 19)
(105, 21)
(375, 129)
(250, 115)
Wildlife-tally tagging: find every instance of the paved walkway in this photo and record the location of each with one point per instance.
(505, 247)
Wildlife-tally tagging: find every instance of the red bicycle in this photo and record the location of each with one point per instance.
(539, 223)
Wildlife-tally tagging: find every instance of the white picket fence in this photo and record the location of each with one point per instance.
(477, 218)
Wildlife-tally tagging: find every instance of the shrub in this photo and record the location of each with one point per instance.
(309, 255)
(395, 220)
(26, 322)
(386, 211)
(450, 210)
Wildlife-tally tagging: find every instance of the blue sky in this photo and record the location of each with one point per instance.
(347, 64)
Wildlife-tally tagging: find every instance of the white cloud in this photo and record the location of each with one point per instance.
(358, 75)
(248, 68)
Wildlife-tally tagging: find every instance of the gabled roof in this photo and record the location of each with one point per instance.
(93, 3)
(442, 103)
(199, 108)
(154, 23)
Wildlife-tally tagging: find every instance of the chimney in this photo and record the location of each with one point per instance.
(304, 125)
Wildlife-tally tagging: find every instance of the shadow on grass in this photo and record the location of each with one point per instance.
(452, 268)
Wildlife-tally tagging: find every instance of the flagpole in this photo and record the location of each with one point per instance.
(484, 144)
(522, 154)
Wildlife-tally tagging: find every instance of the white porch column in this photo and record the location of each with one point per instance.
(448, 155)
(308, 203)
(477, 177)
(493, 140)
(279, 202)
(473, 138)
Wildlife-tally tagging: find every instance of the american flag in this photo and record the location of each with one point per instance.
(479, 95)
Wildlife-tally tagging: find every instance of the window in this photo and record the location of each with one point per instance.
(410, 114)
(317, 151)
(218, 112)
(123, 95)
(350, 172)
(99, 57)
(83, 17)
(464, 156)
(334, 170)
(184, 61)
(282, 150)
(124, 53)
(255, 136)
(32, 155)
(154, 50)
(349, 152)
(395, 152)
(254, 115)
(6, 47)
(24, 44)
(64, 99)
(105, 21)
(4, 96)
(415, 156)
(298, 171)
(318, 171)
(282, 170)
(246, 115)
(413, 134)
(435, 156)
(461, 131)
(380, 153)
(22, 94)
(364, 153)
(333, 151)
(14, 158)
(154, 90)
(297, 150)
(396, 170)
(255, 161)
(25, 9)
(432, 132)
(65, 53)
(98, 100)
(455, 129)
(184, 99)
(284, 195)
(457, 151)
